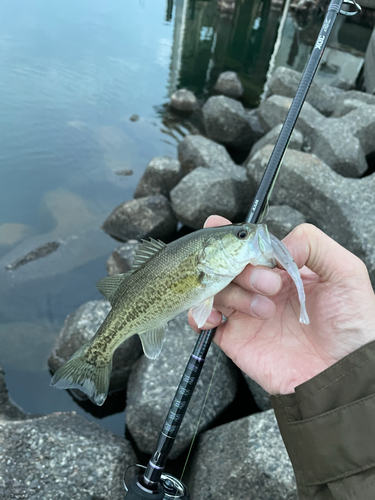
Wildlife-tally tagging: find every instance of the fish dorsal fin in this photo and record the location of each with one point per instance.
(108, 286)
(145, 251)
(152, 341)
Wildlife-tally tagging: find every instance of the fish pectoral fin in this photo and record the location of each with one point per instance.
(108, 286)
(202, 311)
(152, 341)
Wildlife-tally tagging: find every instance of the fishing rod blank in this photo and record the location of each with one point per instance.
(150, 485)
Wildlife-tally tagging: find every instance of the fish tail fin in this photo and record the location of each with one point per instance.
(90, 376)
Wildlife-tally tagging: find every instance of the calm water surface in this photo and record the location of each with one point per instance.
(72, 74)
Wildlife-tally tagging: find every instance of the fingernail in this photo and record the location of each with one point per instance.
(265, 281)
(262, 307)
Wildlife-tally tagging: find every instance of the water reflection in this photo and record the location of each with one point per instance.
(207, 41)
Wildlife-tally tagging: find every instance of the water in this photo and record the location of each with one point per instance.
(72, 74)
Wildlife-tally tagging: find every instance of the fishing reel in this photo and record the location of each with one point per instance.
(169, 488)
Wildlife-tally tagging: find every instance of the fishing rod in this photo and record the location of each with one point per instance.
(154, 483)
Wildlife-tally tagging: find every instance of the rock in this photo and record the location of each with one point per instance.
(161, 175)
(201, 194)
(121, 258)
(8, 409)
(342, 143)
(342, 207)
(229, 84)
(81, 326)
(247, 455)
(198, 151)
(38, 253)
(350, 100)
(226, 121)
(281, 220)
(61, 456)
(256, 127)
(271, 137)
(147, 217)
(261, 397)
(153, 384)
(285, 82)
(184, 100)
(369, 65)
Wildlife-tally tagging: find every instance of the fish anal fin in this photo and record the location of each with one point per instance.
(202, 311)
(145, 251)
(108, 286)
(152, 341)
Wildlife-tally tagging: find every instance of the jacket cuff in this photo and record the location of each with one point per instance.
(328, 424)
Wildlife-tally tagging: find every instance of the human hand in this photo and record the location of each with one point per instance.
(264, 337)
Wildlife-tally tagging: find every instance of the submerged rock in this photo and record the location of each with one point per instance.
(184, 100)
(153, 384)
(61, 456)
(247, 455)
(80, 327)
(202, 193)
(161, 175)
(151, 216)
(38, 253)
(229, 84)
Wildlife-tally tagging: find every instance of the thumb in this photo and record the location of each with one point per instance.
(312, 248)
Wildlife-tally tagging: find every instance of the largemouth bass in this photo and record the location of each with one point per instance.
(166, 280)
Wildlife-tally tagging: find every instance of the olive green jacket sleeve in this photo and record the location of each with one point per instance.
(328, 427)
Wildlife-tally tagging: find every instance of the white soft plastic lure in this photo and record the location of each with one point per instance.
(282, 255)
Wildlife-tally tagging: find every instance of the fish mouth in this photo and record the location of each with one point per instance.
(264, 246)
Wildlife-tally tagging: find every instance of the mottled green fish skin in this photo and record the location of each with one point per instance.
(181, 275)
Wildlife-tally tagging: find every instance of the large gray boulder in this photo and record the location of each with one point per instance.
(8, 409)
(198, 151)
(342, 143)
(342, 207)
(281, 220)
(153, 384)
(369, 65)
(80, 327)
(151, 216)
(226, 121)
(285, 81)
(61, 456)
(243, 459)
(296, 140)
(160, 176)
(201, 194)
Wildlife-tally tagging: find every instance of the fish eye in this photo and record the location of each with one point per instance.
(242, 234)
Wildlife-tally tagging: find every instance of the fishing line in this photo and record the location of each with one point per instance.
(201, 414)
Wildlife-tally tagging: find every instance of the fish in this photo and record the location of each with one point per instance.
(164, 281)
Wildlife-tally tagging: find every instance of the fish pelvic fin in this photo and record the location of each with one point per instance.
(88, 375)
